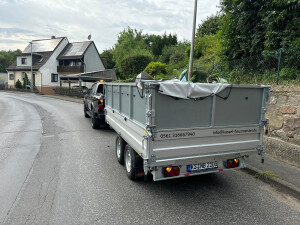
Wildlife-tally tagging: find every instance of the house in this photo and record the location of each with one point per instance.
(49, 59)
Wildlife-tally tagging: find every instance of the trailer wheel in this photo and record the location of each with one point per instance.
(120, 148)
(130, 159)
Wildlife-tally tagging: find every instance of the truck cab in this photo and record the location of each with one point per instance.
(93, 105)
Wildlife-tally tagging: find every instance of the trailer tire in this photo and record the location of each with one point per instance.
(130, 160)
(120, 148)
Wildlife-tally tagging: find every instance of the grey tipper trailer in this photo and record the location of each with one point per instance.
(174, 129)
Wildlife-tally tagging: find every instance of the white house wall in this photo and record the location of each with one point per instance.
(51, 65)
(19, 61)
(92, 59)
(19, 75)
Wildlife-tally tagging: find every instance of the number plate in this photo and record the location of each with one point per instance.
(202, 166)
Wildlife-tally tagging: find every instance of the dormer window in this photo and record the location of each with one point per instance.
(24, 61)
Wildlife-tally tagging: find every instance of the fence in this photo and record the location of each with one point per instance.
(281, 66)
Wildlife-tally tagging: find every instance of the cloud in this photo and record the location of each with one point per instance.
(104, 19)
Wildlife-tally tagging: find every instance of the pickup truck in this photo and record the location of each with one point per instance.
(93, 105)
(179, 129)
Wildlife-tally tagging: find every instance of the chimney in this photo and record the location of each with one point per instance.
(52, 37)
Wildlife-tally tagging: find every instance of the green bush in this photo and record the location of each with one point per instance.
(134, 64)
(199, 77)
(289, 73)
(156, 68)
(25, 81)
(18, 84)
(160, 76)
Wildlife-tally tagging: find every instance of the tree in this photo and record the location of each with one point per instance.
(135, 64)
(158, 42)
(156, 68)
(25, 81)
(282, 21)
(209, 26)
(250, 27)
(175, 52)
(209, 47)
(18, 84)
(130, 43)
(108, 56)
(7, 58)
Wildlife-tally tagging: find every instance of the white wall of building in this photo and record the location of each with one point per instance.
(92, 59)
(19, 75)
(51, 65)
(28, 60)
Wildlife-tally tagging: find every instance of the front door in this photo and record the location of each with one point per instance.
(33, 79)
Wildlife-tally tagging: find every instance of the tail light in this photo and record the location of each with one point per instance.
(232, 163)
(100, 103)
(171, 171)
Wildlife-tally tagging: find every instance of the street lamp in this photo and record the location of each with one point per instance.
(31, 80)
(193, 41)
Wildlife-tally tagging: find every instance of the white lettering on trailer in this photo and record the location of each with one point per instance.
(163, 135)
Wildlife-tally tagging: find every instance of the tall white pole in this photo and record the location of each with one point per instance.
(193, 42)
(31, 80)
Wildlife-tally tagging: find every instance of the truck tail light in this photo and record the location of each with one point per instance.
(171, 171)
(100, 103)
(232, 163)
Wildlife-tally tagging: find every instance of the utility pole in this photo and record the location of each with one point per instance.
(31, 80)
(193, 42)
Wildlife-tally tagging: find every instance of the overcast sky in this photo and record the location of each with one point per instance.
(24, 20)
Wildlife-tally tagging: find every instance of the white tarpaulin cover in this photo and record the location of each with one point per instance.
(186, 90)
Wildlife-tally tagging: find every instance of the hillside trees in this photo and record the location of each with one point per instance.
(7, 58)
(158, 42)
(108, 56)
(131, 53)
(250, 27)
(209, 26)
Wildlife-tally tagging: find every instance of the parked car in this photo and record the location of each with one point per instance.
(93, 105)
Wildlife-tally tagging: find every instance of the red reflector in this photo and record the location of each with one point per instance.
(100, 106)
(140, 174)
(220, 170)
(171, 171)
(232, 163)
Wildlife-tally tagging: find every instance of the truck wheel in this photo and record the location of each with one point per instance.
(95, 122)
(130, 162)
(120, 148)
(84, 111)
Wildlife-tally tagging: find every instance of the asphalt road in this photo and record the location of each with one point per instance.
(55, 169)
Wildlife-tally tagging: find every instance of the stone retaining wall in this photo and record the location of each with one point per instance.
(72, 92)
(283, 112)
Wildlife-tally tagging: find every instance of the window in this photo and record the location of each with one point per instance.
(54, 77)
(94, 89)
(100, 88)
(24, 61)
(11, 77)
